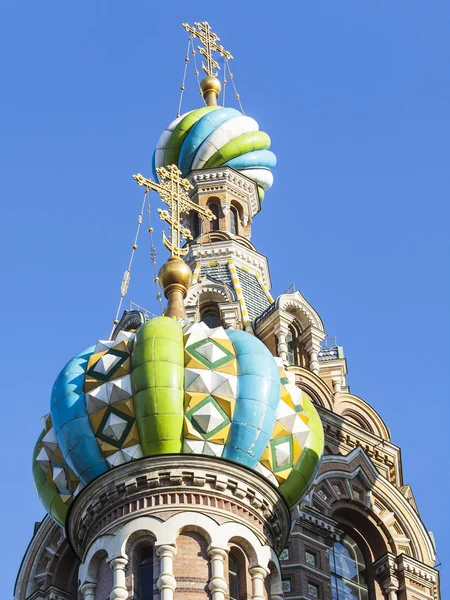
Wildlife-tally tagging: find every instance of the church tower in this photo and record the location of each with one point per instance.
(216, 452)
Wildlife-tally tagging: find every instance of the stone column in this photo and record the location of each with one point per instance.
(217, 584)
(87, 590)
(281, 333)
(258, 575)
(119, 591)
(166, 581)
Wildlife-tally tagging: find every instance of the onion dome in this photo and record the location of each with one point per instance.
(174, 389)
(213, 136)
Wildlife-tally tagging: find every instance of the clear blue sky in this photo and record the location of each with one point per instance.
(355, 95)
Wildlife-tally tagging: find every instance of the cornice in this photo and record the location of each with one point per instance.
(213, 180)
(154, 486)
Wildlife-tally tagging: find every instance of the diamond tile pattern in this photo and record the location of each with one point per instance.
(210, 389)
(291, 431)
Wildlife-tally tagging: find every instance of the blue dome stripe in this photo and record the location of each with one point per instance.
(198, 134)
(71, 421)
(155, 174)
(258, 394)
(262, 159)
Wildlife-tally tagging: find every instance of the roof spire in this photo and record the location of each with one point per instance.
(210, 85)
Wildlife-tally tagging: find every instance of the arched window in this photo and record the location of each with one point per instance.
(348, 571)
(145, 574)
(211, 318)
(233, 578)
(214, 224)
(234, 223)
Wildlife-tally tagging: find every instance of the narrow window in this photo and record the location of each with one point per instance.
(234, 228)
(214, 224)
(195, 226)
(290, 348)
(145, 574)
(233, 578)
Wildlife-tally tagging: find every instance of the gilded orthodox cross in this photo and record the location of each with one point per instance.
(209, 40)
(173, 190)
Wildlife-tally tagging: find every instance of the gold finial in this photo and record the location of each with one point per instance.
(175, 275)
(210, 85)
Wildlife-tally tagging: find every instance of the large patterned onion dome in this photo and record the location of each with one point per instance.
(213, 136)
(167, 390)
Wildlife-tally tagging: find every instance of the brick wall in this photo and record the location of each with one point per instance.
(191, 567)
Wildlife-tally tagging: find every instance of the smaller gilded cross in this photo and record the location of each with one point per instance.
(173, 190)
(209, 40)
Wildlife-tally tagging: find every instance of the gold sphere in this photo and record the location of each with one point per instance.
(175, 274)
(211, 88)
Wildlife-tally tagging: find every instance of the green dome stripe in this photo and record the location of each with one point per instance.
(248, 142)
(180, 132)
(157, 380)
(261, 193)
(47, 492)
(303, 473)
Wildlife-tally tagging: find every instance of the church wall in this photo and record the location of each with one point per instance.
(191, 567)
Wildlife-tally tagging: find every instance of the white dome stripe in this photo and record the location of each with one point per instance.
(163, 141)
(228, 131)
(262, 177)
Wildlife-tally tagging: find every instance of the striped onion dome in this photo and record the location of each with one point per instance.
(169, 389)
(213, 136)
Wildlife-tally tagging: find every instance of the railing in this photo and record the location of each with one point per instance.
(147, 313)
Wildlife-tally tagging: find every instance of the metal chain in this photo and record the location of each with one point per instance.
(127, 275)
(186, 62)
(153, 255)
(238, 98)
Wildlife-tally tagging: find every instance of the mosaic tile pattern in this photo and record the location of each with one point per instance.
(292, 456)
(210, 384)
(256, 298)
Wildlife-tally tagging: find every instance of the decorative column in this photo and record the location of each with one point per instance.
(166, 581)
(217, 584)
(88, 590)
(258, 575)
(119, 591)
(337, 387)
(281, 332)
(311, 339)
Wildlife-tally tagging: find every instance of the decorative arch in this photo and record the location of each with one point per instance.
(351, 490)
(314, 386)
(296, 305)
(355, 409)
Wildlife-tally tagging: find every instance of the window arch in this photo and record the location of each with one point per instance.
(211, 318)
(234, 220)
(145, 574)
(348, 571)
(214, 208)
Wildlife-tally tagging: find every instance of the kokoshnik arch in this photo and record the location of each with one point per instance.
(216, 451)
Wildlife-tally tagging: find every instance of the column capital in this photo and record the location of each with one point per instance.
(118, 562)
(217, 551)
(88, 588)
(166, 550)
(258, 570)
